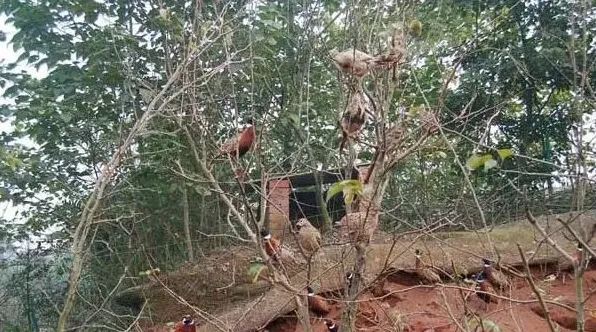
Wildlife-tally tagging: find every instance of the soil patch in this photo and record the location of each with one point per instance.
(398, 305)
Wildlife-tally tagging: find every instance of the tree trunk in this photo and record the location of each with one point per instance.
(186, 221)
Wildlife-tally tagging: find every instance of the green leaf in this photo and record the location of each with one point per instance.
(271, 41)
(255, 269)
(348, 187)
(349, 198)
(505, 153)
(66, 117)
(202, 190)
(478, 160)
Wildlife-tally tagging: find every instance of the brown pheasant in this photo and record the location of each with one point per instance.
(358, 226)
(352, 61)
(186, 325)
(309, 237)
(360, 105)
(495, 277)
(424, 272)
(316, 304)
(271, 244)
(240, 144)
(484, 291)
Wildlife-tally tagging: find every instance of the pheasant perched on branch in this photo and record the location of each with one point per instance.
(238, 145)
(424, 272)
(359, 64)
(352, 61)
(309, 237)
(187, 325)
(360, 105)
(358, 226)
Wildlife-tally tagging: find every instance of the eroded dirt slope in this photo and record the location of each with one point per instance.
(407, 306)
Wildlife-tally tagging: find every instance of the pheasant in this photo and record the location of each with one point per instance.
(358, 226)
(187, 325)
(360, 105)
(238, 145)
(425, 273)
(316, 304)
(309, 237)
(352, 61)
(272, 247)
(484, 290)
(331, 326)
(498, 279)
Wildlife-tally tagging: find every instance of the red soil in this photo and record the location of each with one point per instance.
(408, 306)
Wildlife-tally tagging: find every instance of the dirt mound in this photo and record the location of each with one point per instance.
(424, 308)
(218, 285)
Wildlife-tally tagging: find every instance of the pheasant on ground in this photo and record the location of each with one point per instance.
(496, 278)
(484, 291)
(186, 325)
(316, 304)
(424, 272)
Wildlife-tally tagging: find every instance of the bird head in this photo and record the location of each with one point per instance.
(250, 121)
(187, 320)
(486, 262)
(302, 222)
(265, 234)
(349, 276)
(310, 290)
(330, 324)
(417, 252)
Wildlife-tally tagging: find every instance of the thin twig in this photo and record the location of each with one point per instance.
(535, 290)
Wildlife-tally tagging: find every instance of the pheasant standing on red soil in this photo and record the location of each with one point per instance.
(318, 305)
(272, 247)
(331, 326)
(186, 325)
(309, 237)
(425, 273)
(483, 289)
(498, 279)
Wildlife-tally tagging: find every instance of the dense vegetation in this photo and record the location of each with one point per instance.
(522, 81)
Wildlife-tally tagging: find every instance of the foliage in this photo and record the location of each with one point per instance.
(255, 269)
(101, 63)
(349, 188)
(487, 160)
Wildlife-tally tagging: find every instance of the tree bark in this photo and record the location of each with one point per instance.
(186, 222)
